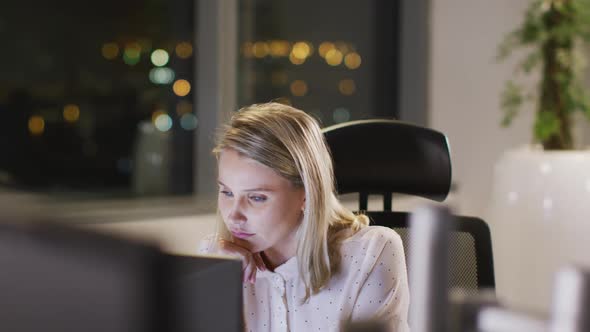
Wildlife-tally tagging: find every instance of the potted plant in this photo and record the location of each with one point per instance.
(540, 205)
(553, 32)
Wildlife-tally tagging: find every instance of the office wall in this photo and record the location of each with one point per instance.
(464, 88)
(465, 85)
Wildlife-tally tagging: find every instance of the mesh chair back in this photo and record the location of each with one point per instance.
(470, 249)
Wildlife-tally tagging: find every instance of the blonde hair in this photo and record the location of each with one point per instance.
(290, 142)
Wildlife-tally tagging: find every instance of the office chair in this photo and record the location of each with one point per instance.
(382, 157)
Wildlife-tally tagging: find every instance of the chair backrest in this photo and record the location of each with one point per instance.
(387, 156)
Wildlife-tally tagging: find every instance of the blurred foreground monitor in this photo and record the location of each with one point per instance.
(54, 278)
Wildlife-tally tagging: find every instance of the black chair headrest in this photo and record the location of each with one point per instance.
(389, 156)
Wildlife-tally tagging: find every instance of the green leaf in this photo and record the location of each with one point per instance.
(531, 30)
(507, 45)
(564, 57)
(563, 32)
(580, 99)
(546, 125)
(531, 62)
(575, 98)
(511, 100)
(562, 78)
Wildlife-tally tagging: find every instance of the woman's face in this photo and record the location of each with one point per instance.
(261, 209)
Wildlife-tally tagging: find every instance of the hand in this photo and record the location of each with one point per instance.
(251, 262)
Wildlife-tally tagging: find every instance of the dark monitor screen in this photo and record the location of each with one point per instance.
(60, 279)
(206, 293)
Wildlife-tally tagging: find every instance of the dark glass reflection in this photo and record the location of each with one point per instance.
(88, 104)
(325, 57)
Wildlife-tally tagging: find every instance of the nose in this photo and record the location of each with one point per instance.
(236, 215)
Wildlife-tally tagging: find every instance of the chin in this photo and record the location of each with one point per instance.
(251, 246)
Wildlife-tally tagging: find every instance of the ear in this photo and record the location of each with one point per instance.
(303, 205)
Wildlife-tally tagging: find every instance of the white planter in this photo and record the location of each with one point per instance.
(540, 220)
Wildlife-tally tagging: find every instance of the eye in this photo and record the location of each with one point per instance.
(258, 198)
(226, 193)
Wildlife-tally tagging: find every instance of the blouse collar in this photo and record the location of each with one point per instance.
(287, 270)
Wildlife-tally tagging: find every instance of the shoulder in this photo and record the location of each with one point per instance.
(374, 236)
(372, 245)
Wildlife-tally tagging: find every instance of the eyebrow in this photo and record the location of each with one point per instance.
(249, 190)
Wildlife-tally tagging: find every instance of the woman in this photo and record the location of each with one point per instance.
(309, 263)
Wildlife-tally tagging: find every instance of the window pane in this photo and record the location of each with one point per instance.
(319, 56)
(96, 97)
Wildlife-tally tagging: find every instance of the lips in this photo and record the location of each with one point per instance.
(241, 235)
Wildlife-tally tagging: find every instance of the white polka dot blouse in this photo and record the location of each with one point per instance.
(372, 284)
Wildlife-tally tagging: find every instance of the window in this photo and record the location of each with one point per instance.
(319, 56)
(101, 99)
(96, 97)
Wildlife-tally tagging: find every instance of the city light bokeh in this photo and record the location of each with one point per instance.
(159, 57)
(71, 113)
(181, 87)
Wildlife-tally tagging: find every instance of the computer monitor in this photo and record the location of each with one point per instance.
(206, 293)
(54, 278)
